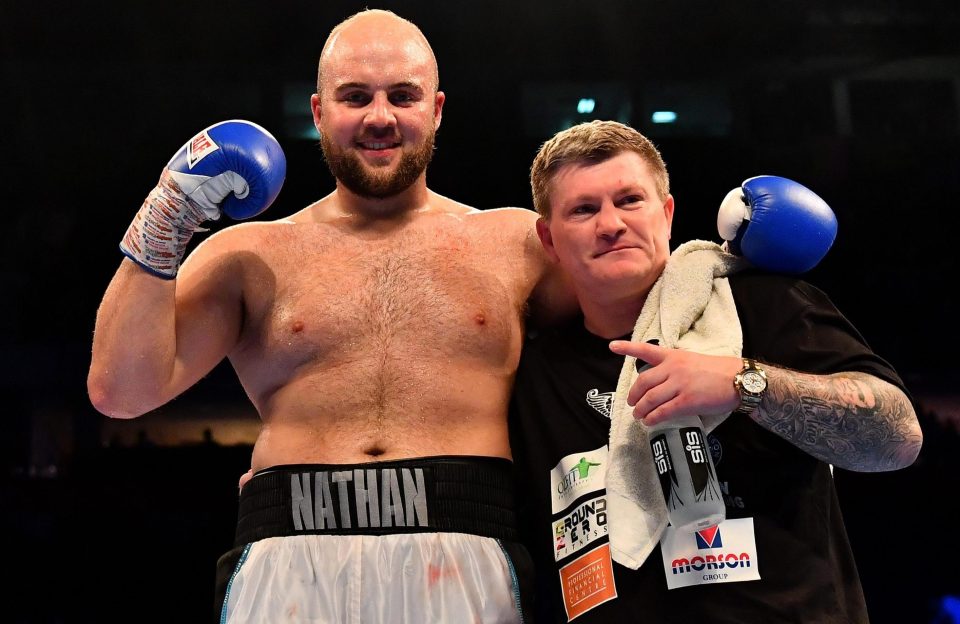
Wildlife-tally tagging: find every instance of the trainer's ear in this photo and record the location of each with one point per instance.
(546, 238)
(668, 214)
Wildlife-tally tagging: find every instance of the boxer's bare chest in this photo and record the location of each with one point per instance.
(324, 297)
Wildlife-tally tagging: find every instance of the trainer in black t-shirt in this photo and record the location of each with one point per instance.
(561, 411)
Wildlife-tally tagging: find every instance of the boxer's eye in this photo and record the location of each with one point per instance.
(358, 98)
(401, 98)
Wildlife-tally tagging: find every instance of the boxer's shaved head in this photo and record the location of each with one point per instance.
(371, 27)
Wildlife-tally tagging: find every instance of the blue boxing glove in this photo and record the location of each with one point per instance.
(233, 167)
(777, 224)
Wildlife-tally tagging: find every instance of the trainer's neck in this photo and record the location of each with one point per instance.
(611, 319)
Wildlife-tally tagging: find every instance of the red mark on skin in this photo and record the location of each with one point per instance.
(480, 318)
(297, 327)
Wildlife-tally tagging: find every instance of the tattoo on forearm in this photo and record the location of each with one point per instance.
(852, 420)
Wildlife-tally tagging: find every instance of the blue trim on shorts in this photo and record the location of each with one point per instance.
(236, 570)
(513, 579)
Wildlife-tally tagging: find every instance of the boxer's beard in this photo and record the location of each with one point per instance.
(348, 169)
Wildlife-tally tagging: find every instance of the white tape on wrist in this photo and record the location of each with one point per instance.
(158, 235)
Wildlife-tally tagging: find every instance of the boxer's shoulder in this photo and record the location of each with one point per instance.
(517, 224)
(246, 236)
(444, 204)
(229, 250)
(519, 216)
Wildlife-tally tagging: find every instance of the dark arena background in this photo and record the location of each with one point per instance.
(106, 520)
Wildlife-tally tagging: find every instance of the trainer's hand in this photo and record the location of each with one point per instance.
(777, 224)
(679, 383)
(233, 167)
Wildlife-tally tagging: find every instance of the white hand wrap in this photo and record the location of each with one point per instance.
(159, 233)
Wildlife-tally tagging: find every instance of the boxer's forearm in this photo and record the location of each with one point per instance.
(134, 344)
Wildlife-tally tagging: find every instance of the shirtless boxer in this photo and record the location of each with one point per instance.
(382, 323)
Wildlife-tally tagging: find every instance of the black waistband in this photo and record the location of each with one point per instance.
(426, 494)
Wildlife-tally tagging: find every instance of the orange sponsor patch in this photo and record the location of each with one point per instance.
(587, 582)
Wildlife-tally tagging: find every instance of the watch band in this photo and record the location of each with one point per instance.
(751, 383)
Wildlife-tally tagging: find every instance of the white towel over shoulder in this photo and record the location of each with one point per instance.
(690, 307)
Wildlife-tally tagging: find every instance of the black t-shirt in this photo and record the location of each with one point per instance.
(561, 407)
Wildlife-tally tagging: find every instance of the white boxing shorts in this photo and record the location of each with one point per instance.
(424, 540)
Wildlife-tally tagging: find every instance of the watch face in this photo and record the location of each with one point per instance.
(753, 382)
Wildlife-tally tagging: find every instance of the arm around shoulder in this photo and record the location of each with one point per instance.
(853, 420)
(553, 298)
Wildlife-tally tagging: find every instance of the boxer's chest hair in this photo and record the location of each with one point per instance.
(419, 294)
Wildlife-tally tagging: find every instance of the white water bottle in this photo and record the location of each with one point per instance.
(688, 477)
(687, 474)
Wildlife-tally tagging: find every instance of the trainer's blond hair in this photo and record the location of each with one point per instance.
(590, 143)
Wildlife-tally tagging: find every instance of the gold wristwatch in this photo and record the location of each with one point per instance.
(751, 383)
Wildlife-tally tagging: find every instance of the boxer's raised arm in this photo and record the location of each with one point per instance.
(157, 334)
(155, 338)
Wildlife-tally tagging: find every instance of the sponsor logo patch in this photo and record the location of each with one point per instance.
(586, 523)
(726, 553)
(576, 475)
(587, 582)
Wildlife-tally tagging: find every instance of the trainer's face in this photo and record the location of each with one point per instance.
(608, 228)
(378, 109)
